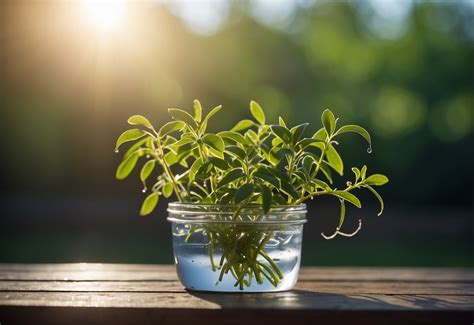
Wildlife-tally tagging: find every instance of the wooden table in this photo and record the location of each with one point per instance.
(140, 294)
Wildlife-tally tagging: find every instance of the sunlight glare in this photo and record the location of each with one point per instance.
(106, 14)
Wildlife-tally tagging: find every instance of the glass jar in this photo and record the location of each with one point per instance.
(228, 248)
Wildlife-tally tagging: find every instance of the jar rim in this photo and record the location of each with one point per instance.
(184, 212)
(217, 208)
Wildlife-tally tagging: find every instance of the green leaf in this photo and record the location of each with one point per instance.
(257, 112)
(242, 125)
(334, 160)
(264, 133)
(214, 141)
(329, 121)
(147, 169)
(139, 120)
(149, 204)
(228, 196)
(363, 172)
(376, 179)
(288, 188)
(272, 157)
(342, 214)
(126, 166)
(282, 152)
(216, 153)
(266, 198)
(302, 177)
(267, 178)
(322, 184)
(276, 141)
(180, 115)
(279, 199)
(348, 197)
(194, 169)
(178, 145)
(208, 117)
(304, 143)
(322, 167)
(277, 154)
(282, 132)
(129, 135)
(137, 146)
(236, 152)
(379, 198)
(169, 141)
(212, 112)
(281, 122)
(298, 131)
(356, 129)
(327, 172)
(219, 163)
(231, 176)
(244, 192)
(356, 172)
(197, 110)
(171, 127)
(307, 164)
(321, 134)
(320, 145)
(251, 135)
(171, 158)
(235, 136)
(167, 189)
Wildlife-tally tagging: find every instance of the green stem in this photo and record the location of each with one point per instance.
(318, 167)
(167, 169)
(320, 161)
(276, 280)
(309, 196)
(291, 166)
(211, 251)
(268, 277)
(272, 263)
(257, 272)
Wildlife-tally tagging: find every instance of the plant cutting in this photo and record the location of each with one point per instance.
(237, 223)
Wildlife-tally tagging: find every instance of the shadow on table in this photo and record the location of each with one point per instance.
(309, 307)
(310, 300)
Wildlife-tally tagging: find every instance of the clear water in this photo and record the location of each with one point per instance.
(194, 266)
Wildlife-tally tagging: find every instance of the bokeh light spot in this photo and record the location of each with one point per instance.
(397, 112)
(453, 120)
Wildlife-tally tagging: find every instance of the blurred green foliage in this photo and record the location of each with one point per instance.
(402, 69)
(67, 90)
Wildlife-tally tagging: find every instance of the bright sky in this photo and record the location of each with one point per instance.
(206, 17)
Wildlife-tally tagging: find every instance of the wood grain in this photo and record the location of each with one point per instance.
(296, 299)
(140, 294)
(349, 287)
(137, 272)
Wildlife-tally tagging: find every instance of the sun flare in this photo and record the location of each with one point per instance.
(105, 14)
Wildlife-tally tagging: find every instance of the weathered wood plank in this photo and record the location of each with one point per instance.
(386, 274)
(121, 272)
(296, 299)
(131, 294)
(347, 287)
(44, 267)
(89, 275)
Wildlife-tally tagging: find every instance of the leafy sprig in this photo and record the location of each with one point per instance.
(253, 163)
